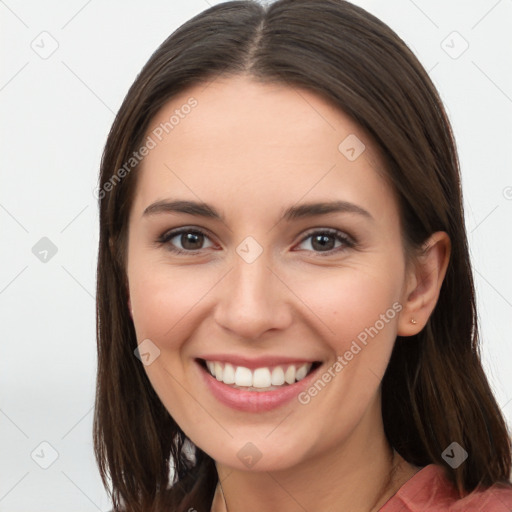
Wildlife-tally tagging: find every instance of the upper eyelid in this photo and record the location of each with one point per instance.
(171, 233)
(330, 231)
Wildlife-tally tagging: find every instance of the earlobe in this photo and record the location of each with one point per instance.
(425, 283)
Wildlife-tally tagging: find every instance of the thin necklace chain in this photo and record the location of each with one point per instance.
(386, 487)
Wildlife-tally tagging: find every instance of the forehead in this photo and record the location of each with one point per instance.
(246, 117)
(242, 140)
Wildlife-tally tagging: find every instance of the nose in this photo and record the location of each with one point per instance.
(252, 300)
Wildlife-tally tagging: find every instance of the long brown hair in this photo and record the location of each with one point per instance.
(434, 391)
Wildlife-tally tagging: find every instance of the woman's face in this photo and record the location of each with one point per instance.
(265, 286)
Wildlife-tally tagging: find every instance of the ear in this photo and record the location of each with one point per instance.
(425, 277)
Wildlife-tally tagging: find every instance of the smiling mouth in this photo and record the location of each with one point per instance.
(266, 378)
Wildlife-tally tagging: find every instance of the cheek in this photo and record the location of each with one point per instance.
(163, 299)
(356, 313)
(348, 302)
(166, 303)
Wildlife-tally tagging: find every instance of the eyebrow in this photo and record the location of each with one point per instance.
(292, 213)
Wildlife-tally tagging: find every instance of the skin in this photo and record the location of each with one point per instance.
(251, 150)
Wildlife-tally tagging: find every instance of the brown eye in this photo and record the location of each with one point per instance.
(184, 240)
(191, 241)
(325, 241)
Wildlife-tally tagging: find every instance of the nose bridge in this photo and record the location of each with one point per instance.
(252, 280)
(252, 299)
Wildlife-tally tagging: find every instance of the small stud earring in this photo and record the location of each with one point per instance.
(413, 321)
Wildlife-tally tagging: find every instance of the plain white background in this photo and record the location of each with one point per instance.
(56, 111)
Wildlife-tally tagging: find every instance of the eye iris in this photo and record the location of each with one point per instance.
(326, 242)
(190, 238)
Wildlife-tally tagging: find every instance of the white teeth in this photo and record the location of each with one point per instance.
(243, 376)
(289, 375)
(218, 371)
(261, 378)
(228, 376)
(302, 372)
(277, 376)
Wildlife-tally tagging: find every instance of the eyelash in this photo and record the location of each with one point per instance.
(348, 242)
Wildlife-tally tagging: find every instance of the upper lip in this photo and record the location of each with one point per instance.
(256, 362)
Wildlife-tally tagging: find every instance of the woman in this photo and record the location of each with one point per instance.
(286, 311)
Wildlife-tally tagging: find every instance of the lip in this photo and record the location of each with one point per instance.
(254, 401)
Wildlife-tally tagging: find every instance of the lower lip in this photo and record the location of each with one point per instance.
(254, 401)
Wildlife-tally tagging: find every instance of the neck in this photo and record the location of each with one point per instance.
(359, 476)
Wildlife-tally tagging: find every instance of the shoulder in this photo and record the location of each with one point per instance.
(429, 490)
(493, 499)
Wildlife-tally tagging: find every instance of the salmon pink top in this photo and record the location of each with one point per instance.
(429, 490)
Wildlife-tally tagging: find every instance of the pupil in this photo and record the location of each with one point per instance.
(323, 241)
(188, 240)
